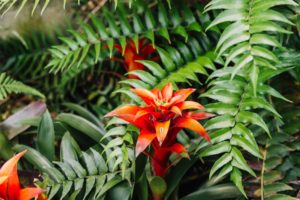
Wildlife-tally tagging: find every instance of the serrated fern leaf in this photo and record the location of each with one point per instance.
(114, 27)
(9, 85)
(231, 134)
(246, 40)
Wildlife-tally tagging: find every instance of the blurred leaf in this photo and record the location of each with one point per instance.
(13, 126)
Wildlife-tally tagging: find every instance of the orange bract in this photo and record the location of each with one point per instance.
(9, 182)
(132, 54)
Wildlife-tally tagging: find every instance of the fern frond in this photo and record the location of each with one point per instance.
(89, 173)
(113, 27)
(246, 40)
(27, 57)
(279, 168)
(9, 85)
(235, 108)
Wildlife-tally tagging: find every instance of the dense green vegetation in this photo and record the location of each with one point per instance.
(66, 64)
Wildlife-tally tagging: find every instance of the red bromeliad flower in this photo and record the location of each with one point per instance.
(9, 182)
(164, 116)
(132, 54)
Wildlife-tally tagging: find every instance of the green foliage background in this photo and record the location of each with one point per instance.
(242, 56)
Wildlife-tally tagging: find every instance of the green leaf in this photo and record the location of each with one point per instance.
(254, 74)
(227, 16)
(120, 191)
(177, 173)
(222, 147)
(280, 197)
(222, 95)
(154, 68)
(9, 85)
(240, 162)
(46, 136)
(166, 59)
(231, 30)
(34, 157)
(236, 177)
(67, 170)
(90, 182)
(263, 6)
(116, 131)
(78, 168)
(109, 185)
(223, 160)
(224, 121)
(68, 148)
(6, 147)
(223, 191)
(258, 102)
(99, 160)
(243, 143)
(81, 124)
(142, 188)
(84, 113)
(221, 108)
(66, 189)
(276, 187)
(90, 164)
(233, 40)
(145, 76)
(253, 118)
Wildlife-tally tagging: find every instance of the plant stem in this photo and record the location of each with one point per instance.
(264, 154)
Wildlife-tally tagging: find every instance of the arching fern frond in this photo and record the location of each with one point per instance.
(235, 106)
(155, 23)
(279, 168)
(245, 41)
(91, 170)
(9, 85)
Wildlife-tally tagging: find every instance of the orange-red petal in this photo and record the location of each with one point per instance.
(185, 105)
(2, 179)
(144, 140)
(127, 109)
(146, 95)
(13, 184)
(141, 113)
(179, 149)
(8, 167)
(161, 129)
(29, 193)
(201, 115)
(42, 196)
(193, 125)
(147, 49)
(181, 95)
(167, 91)
(176, 110)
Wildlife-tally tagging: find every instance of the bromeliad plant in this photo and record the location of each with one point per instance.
(9, 182)
(165, 114)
